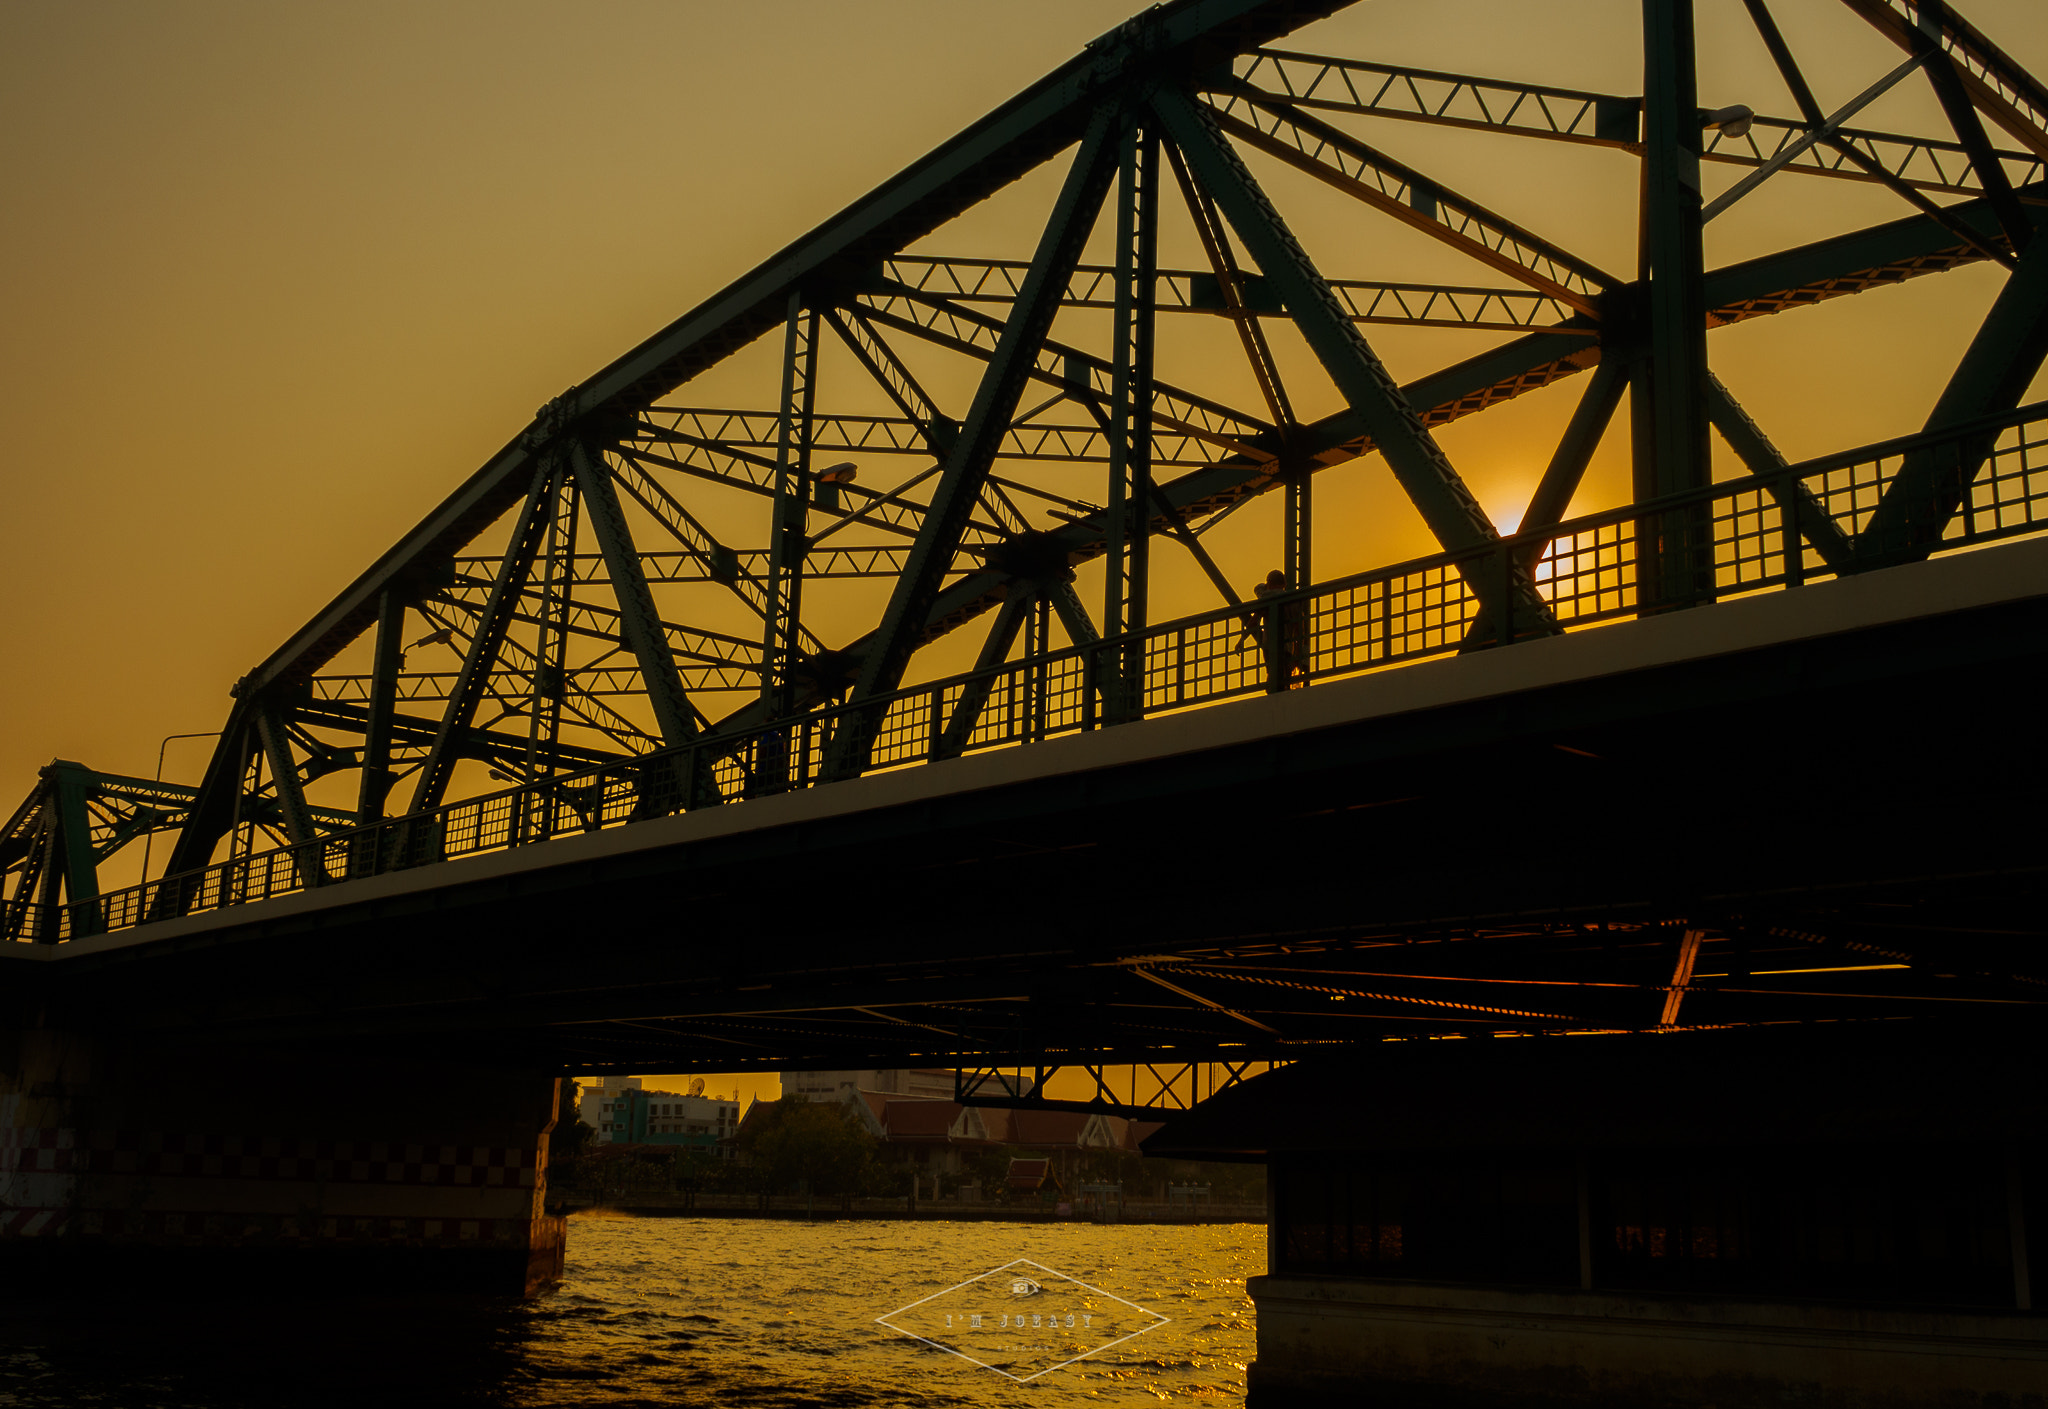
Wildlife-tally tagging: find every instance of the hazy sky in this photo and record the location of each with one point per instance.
(276, 277)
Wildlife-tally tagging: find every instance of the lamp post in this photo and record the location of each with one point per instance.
(149, 837)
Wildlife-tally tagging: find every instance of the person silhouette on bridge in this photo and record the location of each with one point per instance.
(1288, 652)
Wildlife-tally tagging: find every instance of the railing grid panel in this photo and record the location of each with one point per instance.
(2011, 494)
(1590, 575)
(1748, 541)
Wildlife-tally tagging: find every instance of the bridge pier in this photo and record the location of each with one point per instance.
(1433, 1345)
(148, 1167)
(1684, 1220)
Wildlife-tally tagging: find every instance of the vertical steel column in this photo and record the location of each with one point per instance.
(1038, 643)
(557, 593)
(1300, 493)
(23, 907)
(388, 654)
(1674, 566)
(1130, 449)
(72, 857)
(789, 543)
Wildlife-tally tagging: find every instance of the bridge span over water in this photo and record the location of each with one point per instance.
(1497, 842)
(690, 737)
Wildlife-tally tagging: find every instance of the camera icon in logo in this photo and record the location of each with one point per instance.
(1024, 1286)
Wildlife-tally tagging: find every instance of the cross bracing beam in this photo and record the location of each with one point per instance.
(1328, 84)
(1969, 129)
(660, 567)
(1343, 161)
(1068, 442)
(1081, 374)
(1747, 439)
(1196, 291)
(1231, 289)
(873, 352)
(1985, 165)
(487, 640)
(1854, 263)
(602, 623)
(594, 680)
(517, 683)
(2000, 363)
(412, 735)
(729, 463)
(1335, 84)
(1143, 1090)
(641, 629)
(290, 793)
(995, 649)
(2000, 87)
(215, 810)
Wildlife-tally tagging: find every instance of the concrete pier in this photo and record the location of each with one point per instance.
(146, 1167)
(1326, 1341)
(1849, 1218)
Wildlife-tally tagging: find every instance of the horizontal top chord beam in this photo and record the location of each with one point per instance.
(1602, 119)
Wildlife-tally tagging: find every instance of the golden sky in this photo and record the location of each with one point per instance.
(278, 277)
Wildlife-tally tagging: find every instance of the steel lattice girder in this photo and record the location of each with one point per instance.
(600, 446)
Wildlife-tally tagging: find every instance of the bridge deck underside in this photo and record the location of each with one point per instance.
(1835, 828)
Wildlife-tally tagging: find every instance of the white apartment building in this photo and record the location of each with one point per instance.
(622, 1111)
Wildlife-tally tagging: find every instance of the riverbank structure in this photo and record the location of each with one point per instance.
(1737, 1217)
(622, 1112)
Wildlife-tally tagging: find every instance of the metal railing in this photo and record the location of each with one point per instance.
(1728, 540)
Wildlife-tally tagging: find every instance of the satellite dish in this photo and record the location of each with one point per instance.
(697, 1086)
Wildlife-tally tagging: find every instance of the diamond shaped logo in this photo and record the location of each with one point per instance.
(1023, 1320)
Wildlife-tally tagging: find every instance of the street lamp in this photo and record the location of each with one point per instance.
(149, 836)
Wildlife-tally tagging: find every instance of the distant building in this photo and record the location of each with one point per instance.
(932, 1135)
(623, 1112)
(1033, 1176)
(928, 1083)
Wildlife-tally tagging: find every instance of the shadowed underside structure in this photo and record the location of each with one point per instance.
(634, 618)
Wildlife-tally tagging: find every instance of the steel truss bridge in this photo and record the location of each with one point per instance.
(621, 622)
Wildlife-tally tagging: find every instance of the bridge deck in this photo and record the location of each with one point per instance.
(1459, 845)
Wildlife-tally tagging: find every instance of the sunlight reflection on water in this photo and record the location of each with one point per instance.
(671, 1311)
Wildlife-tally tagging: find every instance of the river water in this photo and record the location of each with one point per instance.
(755, 1314)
